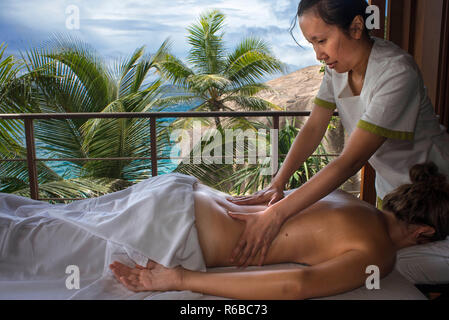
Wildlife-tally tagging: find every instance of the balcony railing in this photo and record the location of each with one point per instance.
(28, 118)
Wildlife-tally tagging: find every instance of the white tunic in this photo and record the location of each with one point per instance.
(393, 103)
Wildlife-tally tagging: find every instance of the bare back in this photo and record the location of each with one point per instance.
(336, 224)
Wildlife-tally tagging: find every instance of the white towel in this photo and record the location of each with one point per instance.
(154, 219)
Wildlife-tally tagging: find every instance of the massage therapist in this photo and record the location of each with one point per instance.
(379, 93)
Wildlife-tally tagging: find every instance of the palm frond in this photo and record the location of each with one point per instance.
(252, 103)
(249, 178)
(122, 137)
(86, 187)
(14, 174)
(58, 87)
(251, 61)
(203, 82)
(241, 123)
(248, 90)
(84, 64)
(207, 52)
(175, 71)
(8, 71)
(123, 72)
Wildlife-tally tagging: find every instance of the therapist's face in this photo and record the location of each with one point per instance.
(337, 49)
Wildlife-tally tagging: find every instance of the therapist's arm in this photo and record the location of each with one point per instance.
(360, 147)
(305, 143)
(303, 146)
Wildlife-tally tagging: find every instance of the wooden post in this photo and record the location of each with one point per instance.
(442, 100)
(379, 33)
(276, 146)
(153, 146)
(368, 174)
(367, 184)
(31, 159)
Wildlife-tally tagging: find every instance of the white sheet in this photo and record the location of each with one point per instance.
(38, 241)
(426, 263)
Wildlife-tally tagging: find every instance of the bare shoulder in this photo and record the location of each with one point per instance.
(361, 221)
(364, 229)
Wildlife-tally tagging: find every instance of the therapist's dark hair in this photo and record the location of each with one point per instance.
(424, 202)
(340, 13)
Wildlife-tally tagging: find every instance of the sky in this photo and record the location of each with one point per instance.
(115, 28)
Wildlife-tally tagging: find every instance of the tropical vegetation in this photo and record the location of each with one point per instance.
(67, 75)
(218, 78)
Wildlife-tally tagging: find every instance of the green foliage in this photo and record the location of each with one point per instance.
(323, 67)
(221, 80)
(14, 92)
(249, 179)
(68, 76)
(217, 78)
(249, 176)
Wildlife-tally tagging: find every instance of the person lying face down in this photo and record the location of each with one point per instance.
(338, 238)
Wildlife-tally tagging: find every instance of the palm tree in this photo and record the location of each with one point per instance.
(12, 92)
(8, 71)
(68, 76)
(16, 91)
(217, 78)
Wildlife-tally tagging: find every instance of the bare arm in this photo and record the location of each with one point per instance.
(272, 285)
(360, 147)
(306, 142)
(303, 146)
(340, 274)
(344, 273)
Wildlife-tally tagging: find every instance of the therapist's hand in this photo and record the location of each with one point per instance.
(260, 230)
(272, 194)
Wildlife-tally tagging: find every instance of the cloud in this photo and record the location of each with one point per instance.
(118, 27)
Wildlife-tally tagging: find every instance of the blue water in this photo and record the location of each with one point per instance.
(166, 166)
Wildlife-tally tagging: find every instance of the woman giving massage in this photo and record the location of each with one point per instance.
(338, 237)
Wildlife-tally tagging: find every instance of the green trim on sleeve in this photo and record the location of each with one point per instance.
(379, 203)
(400, 135)
(324, 104)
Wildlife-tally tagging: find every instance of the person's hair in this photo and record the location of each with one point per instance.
(339, 13)
(424, 202)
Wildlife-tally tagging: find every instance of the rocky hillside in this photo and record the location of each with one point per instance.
(296, 90)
